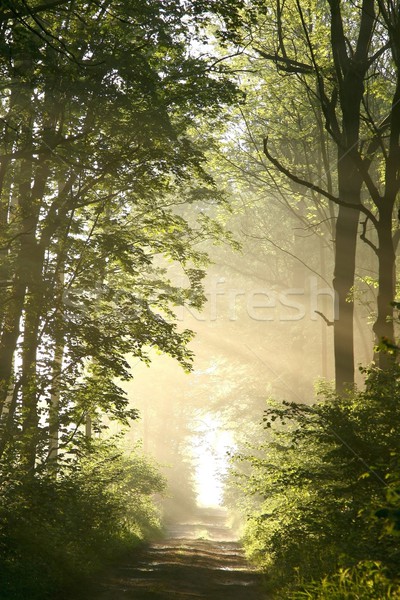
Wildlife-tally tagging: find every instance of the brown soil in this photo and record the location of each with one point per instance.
(199, 559)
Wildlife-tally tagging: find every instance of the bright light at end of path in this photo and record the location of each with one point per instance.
(210, 453)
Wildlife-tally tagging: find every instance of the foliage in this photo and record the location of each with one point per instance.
(56, 533)
(334, 140)
(99, 105)
(367, 580)
(317, 490)
(104, 199)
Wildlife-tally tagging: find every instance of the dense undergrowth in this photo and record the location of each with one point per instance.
(321, 494)
(56, 532)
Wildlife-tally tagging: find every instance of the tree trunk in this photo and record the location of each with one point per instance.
(344, 272)
(351, 68)
(15, 300)
(343, 333)
(30, 417)
(34, 310)
(55, 395)
(384, 325)
(324, 325)
(88, 427)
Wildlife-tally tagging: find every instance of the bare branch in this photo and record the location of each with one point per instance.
(327, 321)
(267, 239)
(378, 53)
(364, 238)
(286, 64)
(316, 188)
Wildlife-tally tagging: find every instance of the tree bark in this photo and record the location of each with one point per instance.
(350, 70)
(33, 311)
(343, 281)
(384, 325)
(346, 233)
(386, 251)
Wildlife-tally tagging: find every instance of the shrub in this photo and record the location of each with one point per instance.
(365, 581)
(55, 532)
(319, 484)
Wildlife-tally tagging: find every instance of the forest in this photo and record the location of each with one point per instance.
(199, 223)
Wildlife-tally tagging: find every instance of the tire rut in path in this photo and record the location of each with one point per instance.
(199, 560)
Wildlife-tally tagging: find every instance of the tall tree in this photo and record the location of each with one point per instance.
(97, 153)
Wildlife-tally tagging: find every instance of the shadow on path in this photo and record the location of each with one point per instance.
(199, 559)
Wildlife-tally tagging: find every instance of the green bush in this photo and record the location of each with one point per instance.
(365, 581)
(315, 492)
(55, 532)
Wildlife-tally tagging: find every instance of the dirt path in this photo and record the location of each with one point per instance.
(200, 559)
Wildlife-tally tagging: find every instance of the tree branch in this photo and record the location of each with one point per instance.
(286, 64)
(316, 188)
(328, 106)
(364, 238)
(34, 9)
(327, 321)
(267, 239)
(378, 53)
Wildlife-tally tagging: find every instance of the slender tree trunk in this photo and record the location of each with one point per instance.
(30, 417)
(19, 253)
(343, 282)
(349, 183)
(15, 299)
(343, 334)
(324, 326)
(33, 311)
(10, 334)
(9, 389)
(88, 427)
(54, 408)
(384, 325)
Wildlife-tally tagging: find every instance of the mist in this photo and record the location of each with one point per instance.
(259, 335)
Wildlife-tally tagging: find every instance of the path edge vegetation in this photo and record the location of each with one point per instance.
(320, 493)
